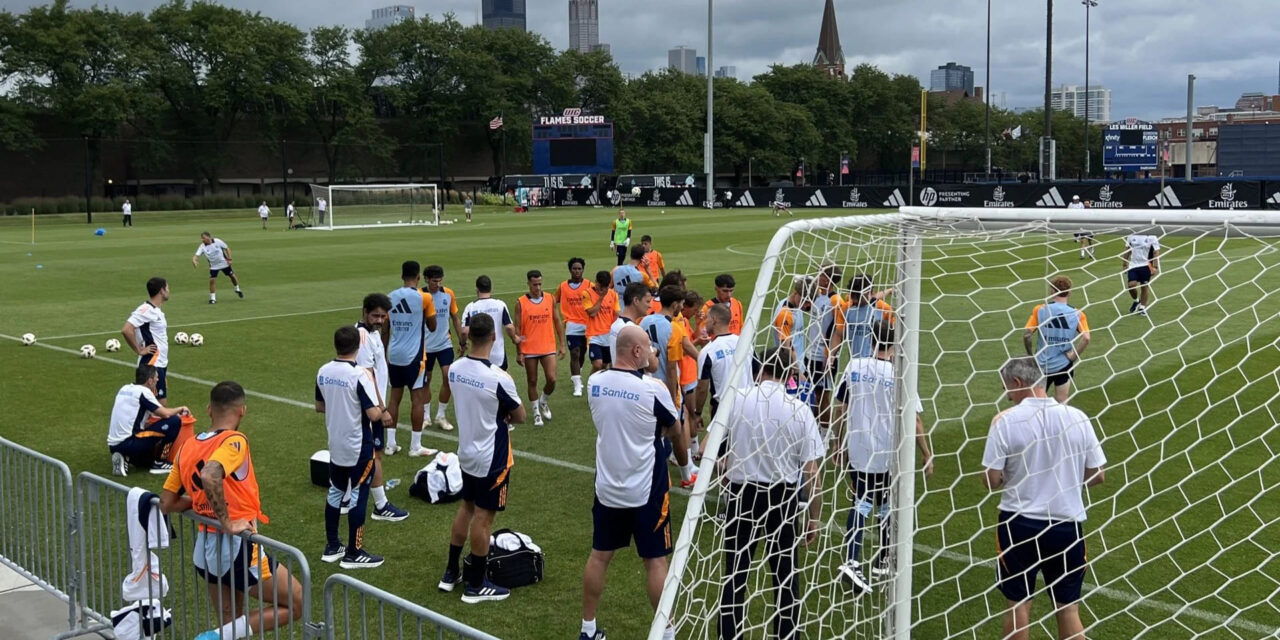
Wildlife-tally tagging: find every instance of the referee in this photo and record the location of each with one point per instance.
(1043, 454)
(773, 441)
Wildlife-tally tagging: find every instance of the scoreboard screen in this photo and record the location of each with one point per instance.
(1131, 145)
(573, 153)
(573, 148)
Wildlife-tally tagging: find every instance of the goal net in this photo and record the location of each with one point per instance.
(373, 205)
(1182, 538)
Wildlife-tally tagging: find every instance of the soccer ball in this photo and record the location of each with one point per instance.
(196, 339)
(28, 339)
(87, 351)
(113, 345)
(635, 191)
(181, 337)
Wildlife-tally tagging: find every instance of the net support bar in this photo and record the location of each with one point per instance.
(898, 611)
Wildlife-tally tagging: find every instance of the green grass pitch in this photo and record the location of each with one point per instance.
(1186, 526)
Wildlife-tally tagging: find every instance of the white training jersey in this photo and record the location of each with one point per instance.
(127, 209)
(1043, 449)
(497, 310)
(290, 211)
(1075, 205)
(618, 323)
(630, 411)
(772, 434)
(150, 327)
(347, 392)
(1142, 249)
(133, 407)
(483, 397)
(263, 211)
(869, 390)
(372, 356)
(716, 362)
(214, 252)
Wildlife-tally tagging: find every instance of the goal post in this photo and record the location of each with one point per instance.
(1183, 538)
(366, 206)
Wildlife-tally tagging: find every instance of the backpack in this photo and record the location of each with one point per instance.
(514, 560)
(440, 481)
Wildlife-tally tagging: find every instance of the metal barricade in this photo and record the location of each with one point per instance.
(37, 521)
(354, 610)
(196, 606)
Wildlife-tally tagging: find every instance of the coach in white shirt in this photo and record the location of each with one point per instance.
(773, 442)
(632, 414)
(1141, 259)
(1042, 454)
(127, 210)
(133, 438)
(264, 212)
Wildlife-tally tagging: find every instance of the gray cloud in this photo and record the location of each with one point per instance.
(1141, 49)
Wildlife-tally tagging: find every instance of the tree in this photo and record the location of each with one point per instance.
(827, 99)
(339, 103)
(886, 116)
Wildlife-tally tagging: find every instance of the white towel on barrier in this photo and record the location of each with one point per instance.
(140, 620)
(148, 529)
(511, 542)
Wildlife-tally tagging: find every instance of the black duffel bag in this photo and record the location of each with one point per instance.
(514, 568)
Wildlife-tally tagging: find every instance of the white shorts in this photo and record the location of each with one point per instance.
(575, 329)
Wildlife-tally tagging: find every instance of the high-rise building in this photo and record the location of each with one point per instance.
(503, 14)
(952, 77)
(702, 65)
(1072, 98)
(387, 16)
(683, 59)
(830, 57)
(729, 71)
(584, 25)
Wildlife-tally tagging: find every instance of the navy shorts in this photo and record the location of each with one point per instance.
(1140, 275)
(488, 493)
(1060, 378)
(407, 375)
(147, 446)
(576, 342)
(231, 560)
(443, 358)
(1028, 547)
(600, 352)
(213, 273)
(649, 525)
(818, 373)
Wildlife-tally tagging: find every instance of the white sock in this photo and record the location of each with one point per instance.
(696, 448)
(691, 467)
(542, 399)
(669, 634)
(237, 287)
(236, 629)
(214, 296)
(415, 440)
(577, 381)
(589, 627)
(391, 436)
(379, 496)
(685, 474)
(441, 409)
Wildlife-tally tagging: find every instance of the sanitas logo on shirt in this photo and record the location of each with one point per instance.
(870, 378)
(598, 391)
(721, 354)
(470, 382)
(326, 381)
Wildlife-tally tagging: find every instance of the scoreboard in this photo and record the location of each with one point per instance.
(1131, 145)
(572, 143)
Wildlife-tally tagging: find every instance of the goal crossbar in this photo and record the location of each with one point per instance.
(397, 214)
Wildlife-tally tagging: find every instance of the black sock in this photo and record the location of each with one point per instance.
(477, 566)
(455, 556)
(331, 516)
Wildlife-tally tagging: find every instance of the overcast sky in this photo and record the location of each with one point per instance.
(1141, 49)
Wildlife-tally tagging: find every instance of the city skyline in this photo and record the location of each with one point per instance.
(584, 25)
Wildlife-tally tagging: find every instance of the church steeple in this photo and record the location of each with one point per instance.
(830, 57)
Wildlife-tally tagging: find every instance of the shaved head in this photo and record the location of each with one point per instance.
(629, 357)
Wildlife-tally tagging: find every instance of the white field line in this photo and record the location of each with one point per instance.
(1127, 597)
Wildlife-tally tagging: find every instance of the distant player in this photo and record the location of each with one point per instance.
(146, 331)
(573, 296)
(600, 316)
(724, 295)
(1075, 203)
(487, 304)
(467, 207)
(218, 254)
(541, 338)
(1141, 260)
(652, 264)
(439, 343)
(1085, 238)
(321, 206)
(1059, 325)
(290, 213)
(413, 314)
(777, 207)
(127, 210)
(625, 274)
(135, 439)
(620, 236)
(372, 357)
(264, 212)
(487, 402)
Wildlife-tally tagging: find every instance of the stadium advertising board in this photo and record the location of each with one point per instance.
(572, 142)
(1131, 145)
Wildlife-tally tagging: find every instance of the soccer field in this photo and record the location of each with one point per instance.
(1183, 536)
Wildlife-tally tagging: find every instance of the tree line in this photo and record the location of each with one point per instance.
(191, 78)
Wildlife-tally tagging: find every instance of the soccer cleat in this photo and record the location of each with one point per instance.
(239, 293)
(443, 423)
(486, 592)
(1142, 310)
(423, 452)
(1133, 307)
(389, 513)
(213, 302)
(390, 450)
(688, 484)
(880, 566)
(333, 552)
(537, 418)
(853, 575)
(361, 559)
(161, 468)
(577, 389)
(212, 634)
(546, 409)
(449, 581)
(119, 466)
(599, 635)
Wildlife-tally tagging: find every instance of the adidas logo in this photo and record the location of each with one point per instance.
(594, 199)
(685, 200)
(402, 307)
(816, 200)
(1051, 199)
(747, 201)
(1166, 198)
(895, 200)
(1274, 199)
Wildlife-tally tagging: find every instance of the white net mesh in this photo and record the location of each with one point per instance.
(1183, 537)
(365, 206)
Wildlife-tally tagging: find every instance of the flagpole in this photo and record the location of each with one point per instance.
(503, 126)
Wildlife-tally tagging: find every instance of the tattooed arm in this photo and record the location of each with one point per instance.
(211, 477)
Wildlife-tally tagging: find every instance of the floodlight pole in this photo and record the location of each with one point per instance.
(1191, 92)
(708, 143)
(88, 190)
(1046, 146)
(1088, 97)
(987, 97)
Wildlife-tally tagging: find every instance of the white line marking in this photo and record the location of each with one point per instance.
(210, 322)
(733, 249)
(1118, 595)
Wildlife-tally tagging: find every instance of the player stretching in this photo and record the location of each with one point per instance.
(146, 331)
(1058, 324)
(600, 316)
(1141, 261)
(214, 477)
(777, 207)
(373, 357)
(620, 236)
(439, 343)
(574, 296)
(413, 313)
(487, 402)
(541, 335)
(724, 295)
(218, 254)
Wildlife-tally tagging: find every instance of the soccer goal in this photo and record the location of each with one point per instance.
(1182, 538)
(366, 206)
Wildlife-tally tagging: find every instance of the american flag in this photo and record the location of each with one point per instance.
(495, 123)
